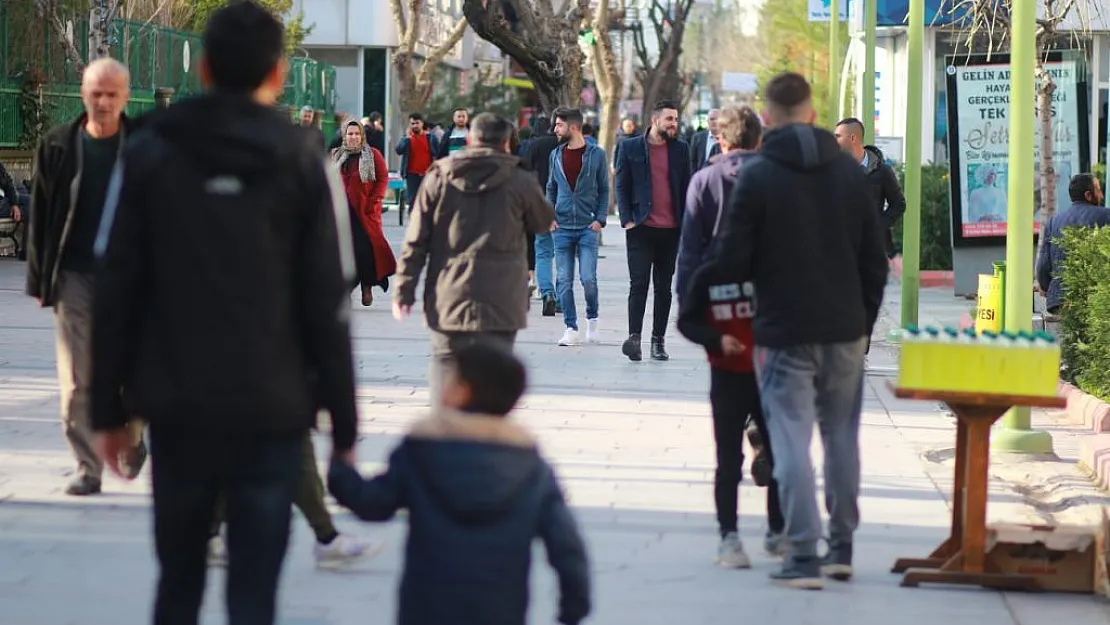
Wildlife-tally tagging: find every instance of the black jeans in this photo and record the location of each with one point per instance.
(412, 185)
(651, 257)
(735, 399)
(259, 474)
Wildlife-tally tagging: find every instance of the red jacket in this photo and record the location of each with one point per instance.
(366, 200)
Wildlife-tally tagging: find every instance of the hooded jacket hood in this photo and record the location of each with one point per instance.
(480, 169)
(875, 158)
(801, 147)
(476, 466)
(224, 133)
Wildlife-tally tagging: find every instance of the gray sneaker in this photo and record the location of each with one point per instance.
(803, 573)
(776, 544)
(730, 553)
(837, 563)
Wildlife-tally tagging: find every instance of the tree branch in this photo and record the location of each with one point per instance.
(398, 11)
(427, 68)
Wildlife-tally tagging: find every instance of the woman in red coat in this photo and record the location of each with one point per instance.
(365, 179)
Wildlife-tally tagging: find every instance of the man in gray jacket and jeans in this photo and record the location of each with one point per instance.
(477, 284)
(801, 225)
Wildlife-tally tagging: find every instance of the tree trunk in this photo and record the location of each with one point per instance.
(416, 83)
(1045, 89)
(609, 85)
(542, 40)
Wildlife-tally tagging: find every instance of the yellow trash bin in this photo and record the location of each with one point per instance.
(988, 309)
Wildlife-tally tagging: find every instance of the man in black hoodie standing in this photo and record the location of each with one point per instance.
(538, 160)
(800, 224)
(221, 306)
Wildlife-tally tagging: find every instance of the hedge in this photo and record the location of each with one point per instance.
(936, 218)
(1085, 316)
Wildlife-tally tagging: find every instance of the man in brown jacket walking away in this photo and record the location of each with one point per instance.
(466, 226)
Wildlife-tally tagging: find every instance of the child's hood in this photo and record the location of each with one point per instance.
(477, 467)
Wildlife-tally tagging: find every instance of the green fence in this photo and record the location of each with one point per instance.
(156, 56)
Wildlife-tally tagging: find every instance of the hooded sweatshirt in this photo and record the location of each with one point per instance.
(478, 494)
(466, 224)
(801, 225)
(222, 298)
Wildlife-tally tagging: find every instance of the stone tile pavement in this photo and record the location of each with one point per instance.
(632, 443)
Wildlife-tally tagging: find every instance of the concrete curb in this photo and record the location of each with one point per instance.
(1094, 449)
(937, 278)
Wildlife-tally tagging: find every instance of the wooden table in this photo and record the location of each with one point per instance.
(962, 558)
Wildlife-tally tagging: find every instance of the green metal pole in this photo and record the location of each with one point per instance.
(911, 222)
(1015, 433)
(834, 62)
(870, 11)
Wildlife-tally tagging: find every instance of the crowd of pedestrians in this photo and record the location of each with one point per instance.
(143, 232)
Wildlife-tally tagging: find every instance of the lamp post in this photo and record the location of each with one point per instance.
(870, 18)
(911, 222)
(834, 61)
(1015, 434)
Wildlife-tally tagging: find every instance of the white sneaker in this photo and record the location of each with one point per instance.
(591, 332)
(570, 337)
(730, 553)
(217, 551)
(344, 550)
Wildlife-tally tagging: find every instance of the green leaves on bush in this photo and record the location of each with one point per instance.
(936, 217)
(1085, 316)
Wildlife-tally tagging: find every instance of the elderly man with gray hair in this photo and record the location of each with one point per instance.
(73, 165)
(477, 283)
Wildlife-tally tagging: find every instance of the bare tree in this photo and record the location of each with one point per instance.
(987, 25)
(607, 73)
(417, 81)
(50, 12)
(541, 37)
(662, 77)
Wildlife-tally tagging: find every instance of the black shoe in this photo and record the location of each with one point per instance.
(657, 350)
(802, 573)
(83, 485)
(135, 460)
(548, 305)
(761, 468)
(632, 349)
(837, 563)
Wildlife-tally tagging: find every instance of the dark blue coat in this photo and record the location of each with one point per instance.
(633, 178)
(478, 494)
(709, 189)
(1051, 258)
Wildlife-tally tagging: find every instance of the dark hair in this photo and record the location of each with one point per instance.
(739, 127)
(1080, 185)
(786, 92)
(495, 376)
(490, 130)
(664, 104)
(588, 129)
(243, 42)
(853, 123)
(461, 108)
(572, 117)
(524, 133)
(374, 117)
(542, 125)
(416, 117)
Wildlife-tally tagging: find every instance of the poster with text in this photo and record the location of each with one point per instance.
(979, 142)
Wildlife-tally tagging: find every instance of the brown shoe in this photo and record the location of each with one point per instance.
(83, 485)
(367, 296)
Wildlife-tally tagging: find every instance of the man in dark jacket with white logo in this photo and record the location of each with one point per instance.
(73, 164)
(1086, 211)
(801, 226)
(882, 181)
(221, 307)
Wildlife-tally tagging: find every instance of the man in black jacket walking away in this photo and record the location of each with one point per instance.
(72, 166)
(800, 225)
(882, 182)
(229, 343)
(538, 160)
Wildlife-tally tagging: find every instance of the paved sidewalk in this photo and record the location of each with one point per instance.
(632, 442)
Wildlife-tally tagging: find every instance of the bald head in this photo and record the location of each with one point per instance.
(105, 90)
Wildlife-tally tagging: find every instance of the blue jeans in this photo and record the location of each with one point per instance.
(260, 474)
(802, 386)
(545, 252)
(570, 244)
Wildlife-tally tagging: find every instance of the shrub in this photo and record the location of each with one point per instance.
(936, 218)
(1085, 316)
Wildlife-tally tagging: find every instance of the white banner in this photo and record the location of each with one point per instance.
(983, 143)
(819, 10)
